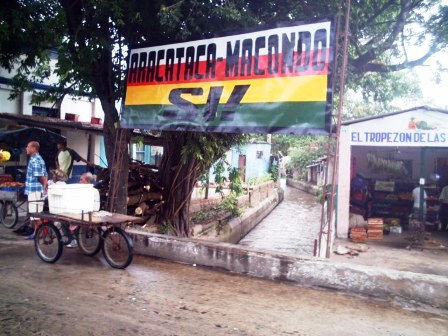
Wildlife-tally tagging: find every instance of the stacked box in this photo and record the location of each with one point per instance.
(358, 235)
(375, 228)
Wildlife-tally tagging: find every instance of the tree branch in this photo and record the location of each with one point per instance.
(380, 11)
(397, 28)
(363, 60)
(383, 68)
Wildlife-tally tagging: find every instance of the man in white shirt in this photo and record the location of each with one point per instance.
(416, 198)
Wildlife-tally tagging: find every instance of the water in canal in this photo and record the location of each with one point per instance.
(291, 227)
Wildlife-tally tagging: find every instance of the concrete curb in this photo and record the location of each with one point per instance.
(364, 280)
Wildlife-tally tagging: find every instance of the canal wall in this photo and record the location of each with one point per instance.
(257, 204)
(251, 199)
(304, 186)
(307, 271)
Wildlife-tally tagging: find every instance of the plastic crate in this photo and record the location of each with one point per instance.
(71, 116)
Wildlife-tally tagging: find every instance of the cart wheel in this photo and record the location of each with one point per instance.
(89, 240)
(47, 242)
(9, 214)
(117, 248)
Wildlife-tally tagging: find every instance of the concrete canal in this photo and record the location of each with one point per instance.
(291, 227)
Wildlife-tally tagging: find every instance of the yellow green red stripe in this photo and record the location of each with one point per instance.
(279, 89)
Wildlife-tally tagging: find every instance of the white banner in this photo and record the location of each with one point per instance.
(418, 128)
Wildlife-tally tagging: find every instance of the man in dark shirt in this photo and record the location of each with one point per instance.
(65, 158)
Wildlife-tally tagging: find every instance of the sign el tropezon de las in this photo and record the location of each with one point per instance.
(269, 81)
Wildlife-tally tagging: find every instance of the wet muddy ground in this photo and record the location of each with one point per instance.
(291, 227)
(391, 252)
(294, 224)
(82, 295)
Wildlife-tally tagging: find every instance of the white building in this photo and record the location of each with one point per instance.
(85, 140)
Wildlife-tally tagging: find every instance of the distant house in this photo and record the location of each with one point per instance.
(147, 154)
(251, 159)
(315, 173)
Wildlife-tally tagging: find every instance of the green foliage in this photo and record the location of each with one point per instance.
(219, 177)
(253, 181)
(230, 203)
(375, 92)
(308, 150)
(273, 173)
(282, 143)
(205, 215)
(257, 137)
(165, 228)
(385, 87)
(236, 183)
(320, 197)
(139, 140)
(234, 178)
(207, 148)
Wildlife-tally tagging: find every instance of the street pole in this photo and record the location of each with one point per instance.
(329, 152)
(338, 125)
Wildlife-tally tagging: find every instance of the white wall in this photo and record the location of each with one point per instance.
(7, 105)
(343, 201)
(83, 107)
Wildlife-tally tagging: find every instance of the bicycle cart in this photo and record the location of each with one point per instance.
(12, 202)
(94, 231)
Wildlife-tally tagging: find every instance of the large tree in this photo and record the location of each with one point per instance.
(91, 38)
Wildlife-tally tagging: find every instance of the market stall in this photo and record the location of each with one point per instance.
(14, 142)
(386, 163)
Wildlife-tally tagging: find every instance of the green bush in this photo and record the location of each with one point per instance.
(230, 203)
(307, 150)
(258, 180)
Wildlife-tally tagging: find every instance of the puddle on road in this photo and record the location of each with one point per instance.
(291, 227)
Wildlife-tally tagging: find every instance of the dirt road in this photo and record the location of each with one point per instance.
(83, 296)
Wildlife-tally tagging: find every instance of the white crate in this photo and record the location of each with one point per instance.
(395, 229)
(73, 198)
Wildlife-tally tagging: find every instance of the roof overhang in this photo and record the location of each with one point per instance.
(61, 124)
(425, 108)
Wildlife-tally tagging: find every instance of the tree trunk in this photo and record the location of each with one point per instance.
(118, 165)
(179, 179)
